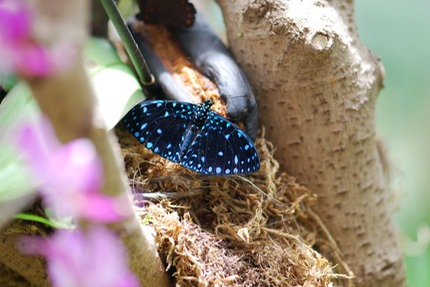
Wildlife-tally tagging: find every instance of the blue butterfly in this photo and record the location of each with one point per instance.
(193, 136)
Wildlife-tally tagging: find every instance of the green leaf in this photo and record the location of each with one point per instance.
(7, 81)
(16, 108)
(115, 84)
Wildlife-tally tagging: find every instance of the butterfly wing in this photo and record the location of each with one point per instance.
(174, 13)
(221, 148)
(160, 125)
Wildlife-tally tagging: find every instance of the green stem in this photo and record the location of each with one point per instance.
(37, 218)
(130, 45)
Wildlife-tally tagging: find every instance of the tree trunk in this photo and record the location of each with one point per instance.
(316, 85)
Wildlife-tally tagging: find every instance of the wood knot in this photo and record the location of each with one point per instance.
(320, 41)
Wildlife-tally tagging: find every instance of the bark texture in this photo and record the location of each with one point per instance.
(316, 86)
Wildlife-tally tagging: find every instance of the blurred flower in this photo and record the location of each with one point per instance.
(70, 175)
(94, 257)
(18, 51)
(14, 19)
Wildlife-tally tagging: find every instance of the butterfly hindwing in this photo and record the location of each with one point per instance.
(221, 148)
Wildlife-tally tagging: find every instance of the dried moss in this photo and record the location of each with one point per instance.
(17, 269)
(254, 230)
(10, 278)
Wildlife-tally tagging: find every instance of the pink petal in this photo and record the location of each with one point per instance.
(95, 257)
(83, 168)
(70, 174)
(15, 19)
(38, 144)
(103, 209)
(19, 52)
(33, 60)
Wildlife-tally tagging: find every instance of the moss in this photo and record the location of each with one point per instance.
(254, 230)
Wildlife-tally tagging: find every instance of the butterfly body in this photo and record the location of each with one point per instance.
(193, 136)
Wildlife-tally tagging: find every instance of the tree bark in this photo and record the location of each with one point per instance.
(316, 86)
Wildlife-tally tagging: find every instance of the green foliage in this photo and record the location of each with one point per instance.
(397, 31)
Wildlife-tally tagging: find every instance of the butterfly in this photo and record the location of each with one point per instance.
(173, 13)
(193, 136)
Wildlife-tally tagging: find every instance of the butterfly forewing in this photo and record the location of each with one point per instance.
(160, 125)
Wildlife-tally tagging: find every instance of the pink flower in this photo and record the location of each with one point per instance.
(18, 51)
(70, 175)
(90, 258)
(15, 20)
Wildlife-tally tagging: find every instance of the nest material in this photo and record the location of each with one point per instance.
(10, 278)
(180, 67)
(253, 230)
